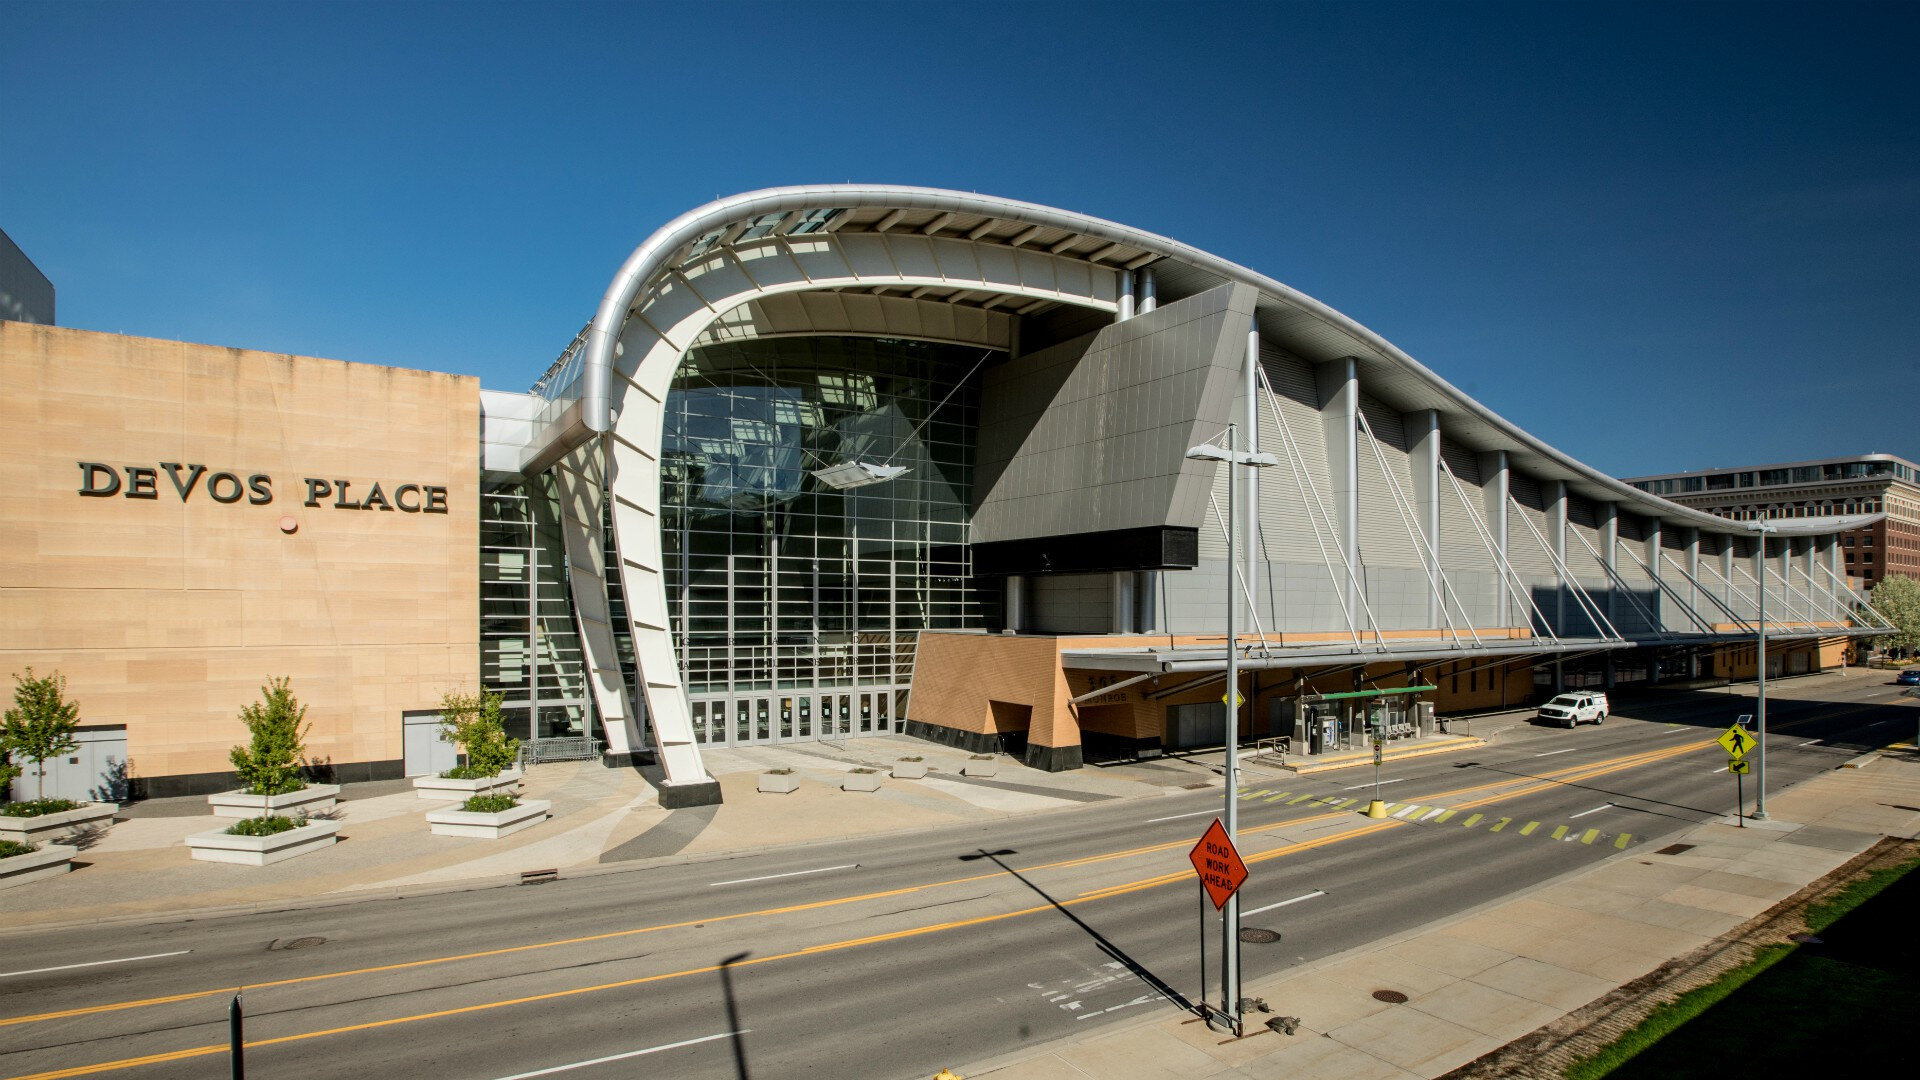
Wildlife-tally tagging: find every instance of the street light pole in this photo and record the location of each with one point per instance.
(1230, 916)
(1760, 704)
(1230, 818)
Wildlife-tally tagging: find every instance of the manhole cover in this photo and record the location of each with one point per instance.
(283, 944)
(1391, 997)
(1255, 935)
(1674, 849)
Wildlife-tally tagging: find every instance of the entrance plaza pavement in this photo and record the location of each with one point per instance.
(603, 820)
(1478, 981)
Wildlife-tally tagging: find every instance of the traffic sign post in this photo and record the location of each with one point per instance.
(1219, 865)
(1221, 872)
(1737, 741)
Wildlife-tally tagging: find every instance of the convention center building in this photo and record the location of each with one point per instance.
(837, 461)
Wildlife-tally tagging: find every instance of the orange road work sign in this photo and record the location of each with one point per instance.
(1218, 864)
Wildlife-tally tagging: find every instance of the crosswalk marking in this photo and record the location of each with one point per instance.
(1419, 814)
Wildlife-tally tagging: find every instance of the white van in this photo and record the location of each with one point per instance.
(1577, 708)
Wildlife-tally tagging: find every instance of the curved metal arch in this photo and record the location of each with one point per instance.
(649, 262)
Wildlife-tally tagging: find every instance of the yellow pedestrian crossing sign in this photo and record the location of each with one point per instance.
(1737, 741)
(1739, 766)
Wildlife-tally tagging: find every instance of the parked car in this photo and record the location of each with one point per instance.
(1909, 677)
(1587, 706)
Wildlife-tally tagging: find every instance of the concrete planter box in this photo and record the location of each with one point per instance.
(224, 847)
(980, 768)
(778, 785)
(309, 800)
(910, 770)
(860, 782)
(489, 826)
(37, 830)
(51, 860)
(443, 788)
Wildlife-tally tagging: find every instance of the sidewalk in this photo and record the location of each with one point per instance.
(1475, 982)
(603, 820)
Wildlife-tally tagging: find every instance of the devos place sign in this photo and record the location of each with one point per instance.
(140, 482)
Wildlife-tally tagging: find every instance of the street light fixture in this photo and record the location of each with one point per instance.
(1230, 914)
(1760, 704)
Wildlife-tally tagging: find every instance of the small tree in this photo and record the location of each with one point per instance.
(1898, 598)
(472, 723)
(40, 724)
(271, 763)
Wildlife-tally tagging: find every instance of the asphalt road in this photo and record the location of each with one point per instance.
(892, 956)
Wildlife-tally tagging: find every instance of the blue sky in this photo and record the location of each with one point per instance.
(1656, 236)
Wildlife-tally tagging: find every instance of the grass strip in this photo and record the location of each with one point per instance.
(1827, 911)
(1669, 1016)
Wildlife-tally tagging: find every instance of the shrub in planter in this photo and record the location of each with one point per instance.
(38, 807)
(472, 723)
(489, 817)
(40, 725)
(265, 825)
(779, 781)
(263, 840)
(910, 768)
(861, 779)
(21, 863)
(52, 819)
(271, 762)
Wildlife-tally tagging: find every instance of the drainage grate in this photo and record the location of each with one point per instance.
(1674, 849)
(1254, 935)
(1202, 786)
(1391, 997)
(1807, 939)
(283, 944)
(539, 877)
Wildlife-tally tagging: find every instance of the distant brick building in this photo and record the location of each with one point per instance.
(1862, 484)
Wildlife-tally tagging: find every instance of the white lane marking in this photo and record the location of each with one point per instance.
(1284, 903)
(1357, 787)
(1141, 1000)
(1405, 810)
(1550, 753)
(1177, 817)
(93, 963)
(796, 873)
(1672, 730)
(1721, 769)
(1595, 810)
(1433, 813)
(623, 1057)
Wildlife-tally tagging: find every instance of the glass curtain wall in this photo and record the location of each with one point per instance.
(780, 586)
(529, 644)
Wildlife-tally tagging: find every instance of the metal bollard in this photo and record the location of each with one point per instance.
(236, 1038)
